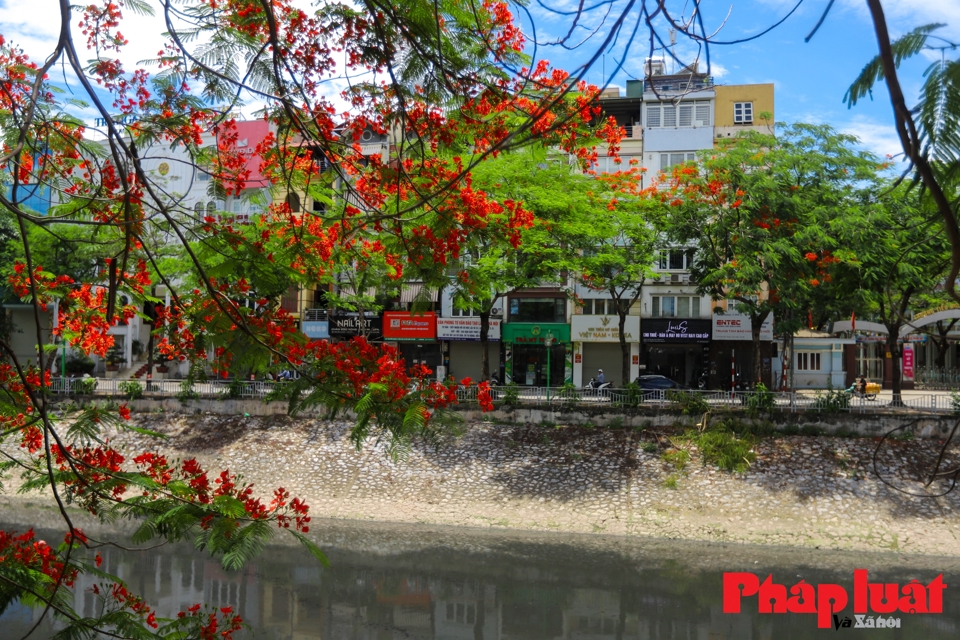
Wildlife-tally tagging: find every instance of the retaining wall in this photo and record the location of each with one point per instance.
(873, 424)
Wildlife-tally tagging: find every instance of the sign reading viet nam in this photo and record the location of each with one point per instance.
(466, 329)
(733, 326)
(604, 329)
(403, 325)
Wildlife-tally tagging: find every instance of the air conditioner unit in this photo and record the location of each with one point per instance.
(675, 277)
(496, 312)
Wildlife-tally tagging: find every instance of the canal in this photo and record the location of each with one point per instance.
(393, 582)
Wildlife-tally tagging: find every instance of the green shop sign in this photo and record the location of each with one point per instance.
(534, 332)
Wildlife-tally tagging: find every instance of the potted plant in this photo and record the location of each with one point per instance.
(137, 349)
(114, 358)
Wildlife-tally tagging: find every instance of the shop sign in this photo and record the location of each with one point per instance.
(402, 325)
(675, 330)
(466, 329)
(316, 330)
(534, 333)
(604, 329)
(348, 325)
(733, 326)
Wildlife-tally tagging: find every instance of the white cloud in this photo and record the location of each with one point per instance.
(904, 15)
(881, 139)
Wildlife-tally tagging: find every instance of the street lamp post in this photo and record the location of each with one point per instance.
(548, 341)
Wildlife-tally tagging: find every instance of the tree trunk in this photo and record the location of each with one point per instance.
(624, 347)
(485, 345)
(942, 344)
(756, 323)
(896, 380)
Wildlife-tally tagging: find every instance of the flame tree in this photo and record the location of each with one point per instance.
(445, 81)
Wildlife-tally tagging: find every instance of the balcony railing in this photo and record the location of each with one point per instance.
(314, 315)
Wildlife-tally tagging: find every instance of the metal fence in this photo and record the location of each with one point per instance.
(937, 378)
(555, 398)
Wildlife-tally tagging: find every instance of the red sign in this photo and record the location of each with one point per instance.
(577, 358)
(401, 325)
(250, 133)
(908, 361)
(636, 359)
(828, 600)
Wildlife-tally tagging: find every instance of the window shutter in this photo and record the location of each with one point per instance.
(669, 116)
(664, 162)
(694, 307)
(653, 116)
(676, 158)
(703, 115)
(686, 115)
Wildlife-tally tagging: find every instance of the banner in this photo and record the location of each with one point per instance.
(403, 325)
(604, 328)
(466, 329)
(731, 326)
(672, 330)
(908, 362)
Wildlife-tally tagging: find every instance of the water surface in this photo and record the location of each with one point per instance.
(407, 582)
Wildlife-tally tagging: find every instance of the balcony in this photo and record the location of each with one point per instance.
(315, 315)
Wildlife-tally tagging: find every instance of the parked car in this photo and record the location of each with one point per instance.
(653, 382)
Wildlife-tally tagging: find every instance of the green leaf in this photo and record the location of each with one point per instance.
(311, 547)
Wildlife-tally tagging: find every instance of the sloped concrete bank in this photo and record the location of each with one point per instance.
(806, 491)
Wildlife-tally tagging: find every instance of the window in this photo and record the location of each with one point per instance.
(600, 307)
(808, 361)
(691, 113)
(463, 313)
(676, 307)
(675, 259)
(538, 309)
(293, 201)
(742, 112)
(198, 209)
(668, 160)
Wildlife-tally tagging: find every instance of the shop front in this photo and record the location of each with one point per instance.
(415, 336)
(537, 354)
(344, 326)
(677, 348)
(731, 351)
(460, 338)
(596, 345)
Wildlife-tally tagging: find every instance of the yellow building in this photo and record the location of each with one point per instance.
(743, 106)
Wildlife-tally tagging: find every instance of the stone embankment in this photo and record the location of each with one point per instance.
(802, 490)
(808, 491)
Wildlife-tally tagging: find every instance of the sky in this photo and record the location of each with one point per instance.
(810, 79)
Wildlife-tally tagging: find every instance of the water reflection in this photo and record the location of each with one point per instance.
(393, 583)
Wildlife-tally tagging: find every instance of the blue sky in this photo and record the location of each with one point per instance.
(810, 78)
